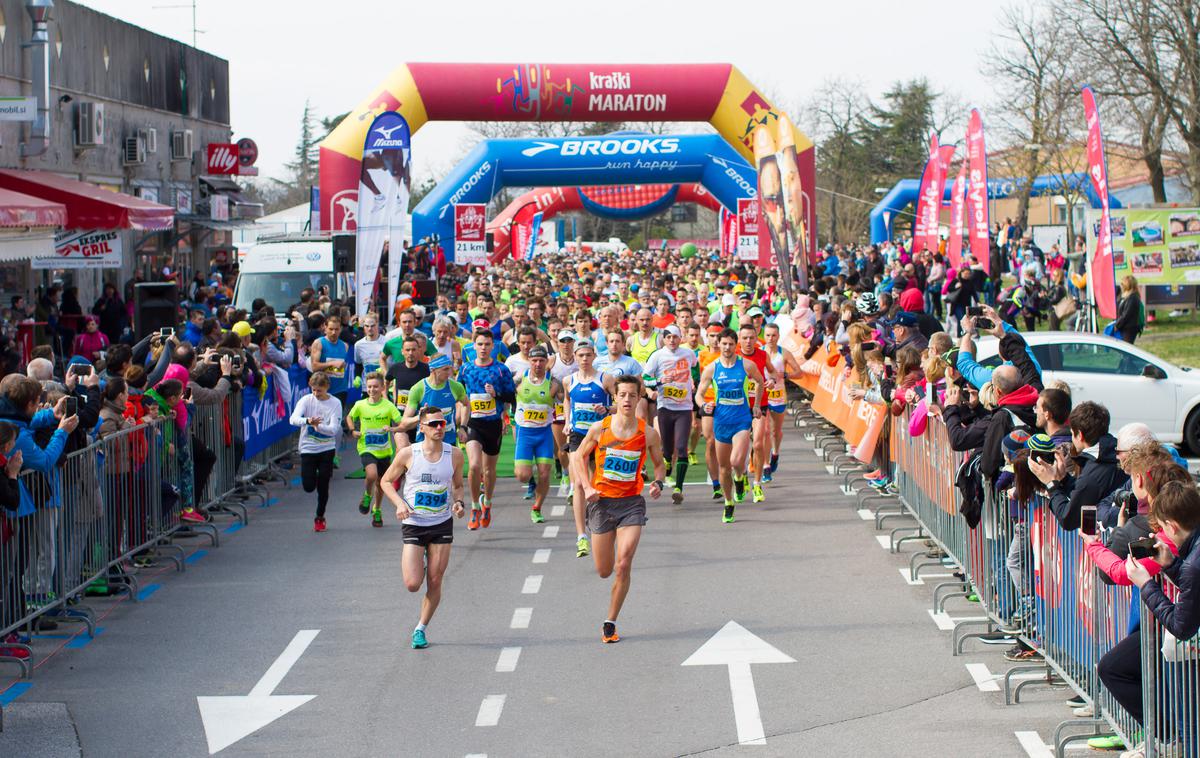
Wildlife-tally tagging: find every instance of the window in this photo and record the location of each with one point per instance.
(1100, 359)
(105, 57)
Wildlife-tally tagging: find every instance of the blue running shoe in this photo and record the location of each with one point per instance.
(419, 642)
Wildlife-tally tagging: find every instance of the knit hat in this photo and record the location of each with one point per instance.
(1014, 443)
(1041, 443)
(867, 303)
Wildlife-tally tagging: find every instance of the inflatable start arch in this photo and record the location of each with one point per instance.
(716, 93)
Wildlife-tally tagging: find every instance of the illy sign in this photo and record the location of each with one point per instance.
(222, 158)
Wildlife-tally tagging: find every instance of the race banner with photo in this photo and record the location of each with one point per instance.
(747, 229)
(75, 250)
(782, 207)
(978, 218)
(470, 234)
(382, 217)
(958, 192)
(535, 230)
(1158, 246)
(1101, 268)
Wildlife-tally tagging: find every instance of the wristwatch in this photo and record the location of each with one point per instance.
(660, 483)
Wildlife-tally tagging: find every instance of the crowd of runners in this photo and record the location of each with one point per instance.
(599, 375)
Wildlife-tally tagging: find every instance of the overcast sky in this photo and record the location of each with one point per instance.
(334, 53)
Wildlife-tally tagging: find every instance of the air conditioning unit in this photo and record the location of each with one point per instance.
(89, 124)
(134, 151)
(149, 138)
(181, 145)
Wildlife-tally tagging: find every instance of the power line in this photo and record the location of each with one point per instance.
(864, 202)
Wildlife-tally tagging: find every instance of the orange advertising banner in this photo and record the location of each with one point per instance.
(825, 377)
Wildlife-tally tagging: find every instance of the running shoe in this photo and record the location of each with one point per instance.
(768, 476)
(473, 524)
(376, 518)
(337, 461)
(582, 547)
(365, 506)
(608, 633)
(739, 489)
(1077, 702)
(13, 652)
(419, 642)
(535, 515)
(757, 494)
(1019, 653)
(692, 459)
(1106, 742)
(718, 494)
(564, 488)
(485, 519)
(997, 638)
(530, 489)
(677, 495)
(318, 525)
(192, 516)
(774, 463)
(728, 517)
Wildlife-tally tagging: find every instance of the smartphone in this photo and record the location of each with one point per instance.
(72, 406)
(1045, 456)
(80, 369)
(1143, 548)
(1087, 519)
(187, 394)
(974, 311)
(984, 324)
(237, 363)
(214, 358)
(166, 332)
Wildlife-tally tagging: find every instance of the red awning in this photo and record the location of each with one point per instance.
(17, 210)
(89, 206)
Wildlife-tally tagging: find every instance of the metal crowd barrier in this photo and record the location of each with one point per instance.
(1034, 579)
(117, 505)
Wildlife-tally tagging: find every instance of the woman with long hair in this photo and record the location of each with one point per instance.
(1130, 318)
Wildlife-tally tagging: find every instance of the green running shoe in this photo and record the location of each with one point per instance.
(419, 642)
(536, 516)
(365, 506)
(739, 490)
(728, 517)
(718, 494)
(677, 495)
(1107, 742)
(692, 459)
(376, 518)
(582, 547)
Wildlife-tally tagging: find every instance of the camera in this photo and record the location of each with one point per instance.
(1128, 503)
(1143, 548)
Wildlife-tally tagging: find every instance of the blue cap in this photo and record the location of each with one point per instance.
(440, 361)
(905, 318)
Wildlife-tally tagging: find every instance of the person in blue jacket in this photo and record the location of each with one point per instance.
(975, 374)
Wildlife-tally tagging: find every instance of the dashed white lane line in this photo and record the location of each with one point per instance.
(550, 532)
(489, 710)
(1034, 747)
(946, 622)
(520, 619)
(541, 556)
(557, 511)
(476, 755)
(920, 579)
(533, 584)
(985, 680)
(507, 662)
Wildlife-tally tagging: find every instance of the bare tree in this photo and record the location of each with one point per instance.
(837, 110)
(1030, 64)
(1154, 47)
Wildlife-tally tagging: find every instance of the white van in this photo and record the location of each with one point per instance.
(278, 270)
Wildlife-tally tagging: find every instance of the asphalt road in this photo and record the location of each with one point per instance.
(869, 674)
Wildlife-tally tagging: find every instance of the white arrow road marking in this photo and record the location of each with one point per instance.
(229, 718)
(736, 647)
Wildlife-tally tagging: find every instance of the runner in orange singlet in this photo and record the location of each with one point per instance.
(616, 510)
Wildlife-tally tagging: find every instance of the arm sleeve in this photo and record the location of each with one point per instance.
(299, 413)
(43, 418)
(459, 391)
(40, 458)
(331, 427)
(416, 394)
(89, 408)
(156, 374)
(1014, 350)
(507, 391)
(1112, 565)
(1181, 618)
(992, 457)
(975, 374)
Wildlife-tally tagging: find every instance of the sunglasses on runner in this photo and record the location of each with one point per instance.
(436, 423)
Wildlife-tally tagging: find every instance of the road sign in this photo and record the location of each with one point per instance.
(736, 647)
(229, 718)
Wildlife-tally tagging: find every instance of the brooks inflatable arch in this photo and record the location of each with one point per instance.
(572, 161)
(716, 93)
(627, 202)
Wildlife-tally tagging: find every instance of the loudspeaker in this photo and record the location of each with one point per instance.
(155, 306)
(490, 242)
(343, 253)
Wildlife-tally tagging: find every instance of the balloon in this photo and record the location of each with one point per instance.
(688, 250)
